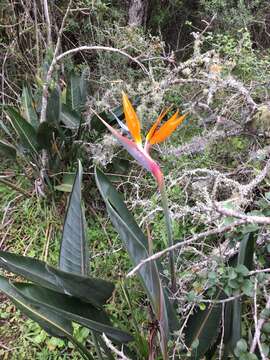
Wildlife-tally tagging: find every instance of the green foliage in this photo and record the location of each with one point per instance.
(74, 252)
(46, 300)
(231, 14)
(203, 327)
(61, 135)
(238, 48)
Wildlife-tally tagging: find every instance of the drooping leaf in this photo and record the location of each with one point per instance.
(26, 132)
(203, 326)
(70, 118)
(136, 245)
(74, 257)
(54, 107)
(92, 290)
(63, 326)
(7, 150)
(50, 320)
(72, 309)
(29, 111)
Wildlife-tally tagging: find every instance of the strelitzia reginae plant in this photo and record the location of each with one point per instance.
(141, 154)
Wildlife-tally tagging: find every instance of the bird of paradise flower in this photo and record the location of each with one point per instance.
(141, 154)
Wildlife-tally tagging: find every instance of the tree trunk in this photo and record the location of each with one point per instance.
(137, 13)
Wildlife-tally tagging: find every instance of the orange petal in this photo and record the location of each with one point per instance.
(132, 120)
(153, 128)
(167, 129)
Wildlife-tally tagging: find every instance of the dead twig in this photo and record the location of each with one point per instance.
(120, 354)
(215, 231)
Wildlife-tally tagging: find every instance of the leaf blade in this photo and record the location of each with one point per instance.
(72, 309)
(41, 273)
(25, 131)
(135, 243)
(29, 110)
(48, 319)
(74, 256)
(70, 118)
(204, 326)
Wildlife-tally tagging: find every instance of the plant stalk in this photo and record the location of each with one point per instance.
(165, 206)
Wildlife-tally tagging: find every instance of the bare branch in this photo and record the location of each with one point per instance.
(120, 354)
(253, 219)
(258, 325)
(104, 48)
(215, 231)
(48, 21)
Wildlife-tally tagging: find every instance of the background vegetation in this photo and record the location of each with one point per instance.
(208, 58)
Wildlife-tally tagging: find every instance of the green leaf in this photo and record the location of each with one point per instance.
(76, 91)
(70, 118)
(232, 332)
(246, 251)
(248, 288)
(94, 291)
(204, 326)
(242, 345)
(67, 183)
(265, 349)
(136, 245)
(11, 292)
(54, 106)
(97, 125)
(72, 309)
(74, 257)
(245, 257)
(47, 318)
(7, 150)
(29, 111)
(84, 82)
(25, 131)
(109, 116)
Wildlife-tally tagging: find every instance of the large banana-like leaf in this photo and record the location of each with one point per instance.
(204, 326)
(72, 309)
(7, 150)
(92, 290)
(50, 320)
(29, 111)
(26, 132)
(74, 257)
(234, 309)
(136, 245)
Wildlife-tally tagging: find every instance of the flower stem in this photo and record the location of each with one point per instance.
(164, 201)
